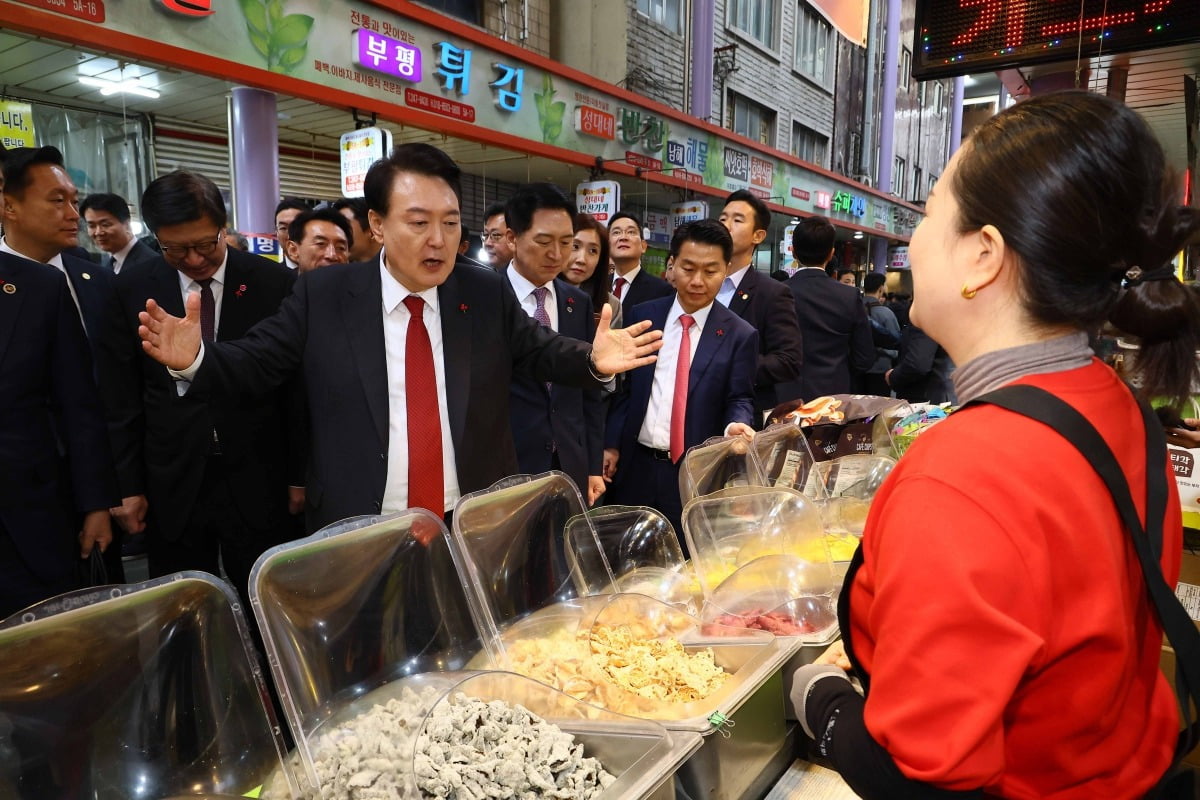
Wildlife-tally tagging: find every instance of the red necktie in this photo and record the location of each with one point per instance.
(683, 366)
(426, 487)
(618, 286)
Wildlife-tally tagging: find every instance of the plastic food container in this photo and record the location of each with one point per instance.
(731, 528)
(787, 460)
(353, 608)
(148, 690)
(719, 463)
(630, 549)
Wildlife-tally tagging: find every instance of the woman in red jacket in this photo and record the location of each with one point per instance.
(999, 620)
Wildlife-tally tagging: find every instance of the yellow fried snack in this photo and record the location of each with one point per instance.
(619, 668)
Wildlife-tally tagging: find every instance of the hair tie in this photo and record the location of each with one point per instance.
(1135, 275)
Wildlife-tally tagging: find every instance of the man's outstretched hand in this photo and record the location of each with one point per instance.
(622, 349)
(170, 340)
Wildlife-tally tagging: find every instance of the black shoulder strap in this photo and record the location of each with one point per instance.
(1044, 407)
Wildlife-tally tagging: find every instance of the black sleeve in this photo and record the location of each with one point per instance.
(835, 712)
(782, 348)
(862, 343)
(916, 358)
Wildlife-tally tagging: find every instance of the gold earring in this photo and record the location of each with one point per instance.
(968, 293)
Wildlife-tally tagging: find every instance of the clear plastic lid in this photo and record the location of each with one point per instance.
(787, 460)
(781, 594)
(722, 462)
(729, 529)
(476, 733)
(147, 690)
(629, 549)
(635, 655)
(355, 607)
(509, 547)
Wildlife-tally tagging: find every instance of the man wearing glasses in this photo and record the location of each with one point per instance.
(219, 468)
(496, 244)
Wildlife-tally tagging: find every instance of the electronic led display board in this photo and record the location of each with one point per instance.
(959, 37)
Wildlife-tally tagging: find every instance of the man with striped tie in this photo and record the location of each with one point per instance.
(554, 426)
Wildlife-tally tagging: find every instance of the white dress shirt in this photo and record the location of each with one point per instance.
(55, 262)
(118, 258)
(656, 427)
(395, 336)
(730, 286)
(524, 292)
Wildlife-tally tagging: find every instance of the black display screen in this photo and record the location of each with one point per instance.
(959, 37)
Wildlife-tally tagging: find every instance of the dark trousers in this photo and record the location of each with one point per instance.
(217, 535)
(20, 587)
(645, 478)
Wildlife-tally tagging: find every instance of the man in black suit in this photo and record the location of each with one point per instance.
(760, 300)
(701, 386)
(833, 320)
(108, 224)
(554, 426)
(55, 465)
(218, 468)
(407, 360)
(41, 224)
(626, 246)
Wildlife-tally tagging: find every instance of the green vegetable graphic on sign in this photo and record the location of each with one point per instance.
(550, 112)
(282, 39)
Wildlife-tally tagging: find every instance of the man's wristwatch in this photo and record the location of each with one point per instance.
(596, 373)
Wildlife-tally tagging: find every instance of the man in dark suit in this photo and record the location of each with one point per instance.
(833, 320)
(701, 386)
(41, 224)
(217, 468)
(631, 284)
(554, 426)
(50, 408)
(108, 224)
(407, 360)
(760, 300)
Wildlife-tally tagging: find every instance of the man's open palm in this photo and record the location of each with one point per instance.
(616, 350)
(170, 340)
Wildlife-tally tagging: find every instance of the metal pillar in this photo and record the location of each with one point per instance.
(956, 110)
(887, 117)
(702, 59)
(254, 157)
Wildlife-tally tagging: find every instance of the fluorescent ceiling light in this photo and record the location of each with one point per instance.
(127, 86)
(858, 234)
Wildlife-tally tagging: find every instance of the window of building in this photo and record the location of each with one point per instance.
(905, 68)
(932, 183)
(750, 119)
(755, 18)
(814, 45)
(809, 145)
(939, 97)
(899, 173)
(917, 185)
(469, 10)
(667, 13)
(921, 95)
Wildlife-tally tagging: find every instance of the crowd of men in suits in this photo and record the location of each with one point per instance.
(223, 403)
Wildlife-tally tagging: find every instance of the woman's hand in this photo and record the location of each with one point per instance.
(1182, 437)
(835, 655)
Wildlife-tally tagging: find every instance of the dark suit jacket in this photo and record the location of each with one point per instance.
(768, 306)
(836, 334)
(566, 418)
(332, 328)
(644, 287)
(923, 372)
(49, 401)
(115, 367)
(139, 253)
(252, 426)
(720, 382)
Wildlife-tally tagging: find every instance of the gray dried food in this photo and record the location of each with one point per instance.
(479, 751)
(469, 750)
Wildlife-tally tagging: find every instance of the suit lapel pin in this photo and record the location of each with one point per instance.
(462, 308)
(570, 304)
(9, 288)
(87, 276)
(744, 296)
(241, 290)
(720, 332)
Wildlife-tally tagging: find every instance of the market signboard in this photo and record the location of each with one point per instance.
(601, 199)
(381, 54)
(358, 150)
(16, 124)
